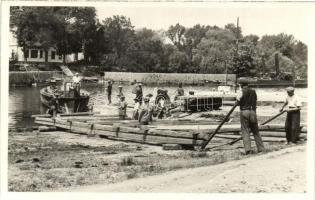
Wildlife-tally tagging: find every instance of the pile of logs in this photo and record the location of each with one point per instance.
(176, 131)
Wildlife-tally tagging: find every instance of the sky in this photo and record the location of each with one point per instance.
(262, 20)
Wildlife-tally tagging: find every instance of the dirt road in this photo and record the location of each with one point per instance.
(280, 171)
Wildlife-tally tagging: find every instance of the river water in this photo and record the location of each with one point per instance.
(25, 101)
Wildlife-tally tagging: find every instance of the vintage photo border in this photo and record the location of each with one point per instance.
(303, 8)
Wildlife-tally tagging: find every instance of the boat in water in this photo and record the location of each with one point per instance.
(69, 98)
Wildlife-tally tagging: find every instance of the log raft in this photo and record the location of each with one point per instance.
(162, 132)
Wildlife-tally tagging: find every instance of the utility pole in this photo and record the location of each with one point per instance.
(237, 37)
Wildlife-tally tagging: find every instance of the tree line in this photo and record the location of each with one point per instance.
(114, 44)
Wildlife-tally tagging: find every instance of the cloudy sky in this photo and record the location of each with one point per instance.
(259, 19)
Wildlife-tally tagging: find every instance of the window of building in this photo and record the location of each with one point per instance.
(34, 53)
(53, 55)
(60, 57)
(40, 54)
(27, 54)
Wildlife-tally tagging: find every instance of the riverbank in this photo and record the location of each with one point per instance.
(57, 160)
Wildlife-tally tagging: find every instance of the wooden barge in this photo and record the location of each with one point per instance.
(186, 133)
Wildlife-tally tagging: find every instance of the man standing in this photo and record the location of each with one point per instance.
(292, 123)
(146, 111)
(109, 91)
(139, 92)
(135, 114)
(247, 102)
(76, 82)
(122, 108)
(180, 91)
(120, 93)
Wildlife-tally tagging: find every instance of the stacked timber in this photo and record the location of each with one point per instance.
(161, 132)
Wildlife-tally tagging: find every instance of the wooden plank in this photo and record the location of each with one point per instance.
(142, 138)
(44, 123)
(46, 128)
(104, 133)
(42, 115)
(104, 127)
(130, 130)
(176, 134)
(157, 139)
(78, 114)
(265, 139)
(79, 124)
(172, 147)
(80, 130)
(44, 119)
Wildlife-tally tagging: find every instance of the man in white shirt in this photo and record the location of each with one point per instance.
(136, 109)
(76, 81)
(292, 124)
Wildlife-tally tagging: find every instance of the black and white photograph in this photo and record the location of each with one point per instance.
(195, 98)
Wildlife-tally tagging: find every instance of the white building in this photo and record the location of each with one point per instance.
(38, 55)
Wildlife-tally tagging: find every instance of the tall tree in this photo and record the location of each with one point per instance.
(120, 32)
(176, 35)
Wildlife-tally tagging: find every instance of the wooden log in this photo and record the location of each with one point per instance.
(44, 123)
(176, 134)
(42, 115)
(104, 127)
(142, 138)
(265, 139)
(280, 134)
(44, 119)
(172, 147)
(80, 130)
(46, 128)
(152, 139)
(131, 130)
(78, 114)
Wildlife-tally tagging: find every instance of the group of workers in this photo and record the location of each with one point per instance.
(142, 110)
(247, 101)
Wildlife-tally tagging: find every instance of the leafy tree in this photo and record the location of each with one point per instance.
(176, 35)
(120, 33)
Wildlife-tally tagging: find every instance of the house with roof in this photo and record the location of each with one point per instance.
(36, 54)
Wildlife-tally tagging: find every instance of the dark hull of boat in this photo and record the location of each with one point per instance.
(66, 103)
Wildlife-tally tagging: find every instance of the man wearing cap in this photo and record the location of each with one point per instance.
(292, 123)
(109, 91)
(146, 111)
(247, 102)
(122, 108)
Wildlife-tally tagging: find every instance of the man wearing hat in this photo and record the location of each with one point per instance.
(122, 108)
(292, 123)
(247, 102)
(146, 111)
(109, 91)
